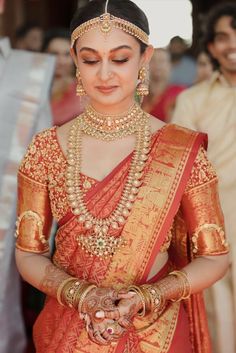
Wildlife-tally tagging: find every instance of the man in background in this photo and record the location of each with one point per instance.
(211, 107)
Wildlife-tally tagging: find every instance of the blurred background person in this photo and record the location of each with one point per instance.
(29, 36)
(25, 79)
(205, 66)
(65, 104)
(161, 100)
(210, 106)
(183, 65)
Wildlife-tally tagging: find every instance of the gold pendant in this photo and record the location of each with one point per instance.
(100, 245)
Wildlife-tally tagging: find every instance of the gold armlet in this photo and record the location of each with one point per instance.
(26, 216)
(209, 239)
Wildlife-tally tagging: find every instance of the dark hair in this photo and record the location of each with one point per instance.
(217, 12)
(23, 30)
(62, 33)
(124, 9)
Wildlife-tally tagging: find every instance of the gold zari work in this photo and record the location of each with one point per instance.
(105, 23)
(208, 230)
(34, 216)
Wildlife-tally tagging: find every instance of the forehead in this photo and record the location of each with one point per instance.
(101, 42)
(224, 23)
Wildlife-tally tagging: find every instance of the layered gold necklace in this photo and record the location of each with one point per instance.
(97, 240)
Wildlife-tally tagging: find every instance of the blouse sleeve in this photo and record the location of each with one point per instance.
(202, 211)
(33, 205)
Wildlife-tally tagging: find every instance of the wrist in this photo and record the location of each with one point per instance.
(71, 291)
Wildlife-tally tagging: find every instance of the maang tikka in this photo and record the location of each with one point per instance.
(105, 23)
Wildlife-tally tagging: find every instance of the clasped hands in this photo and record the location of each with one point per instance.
(108, 313)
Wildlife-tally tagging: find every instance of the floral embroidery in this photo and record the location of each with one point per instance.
(44, 162)
(202, 171)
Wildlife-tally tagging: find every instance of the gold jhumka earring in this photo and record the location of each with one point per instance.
(79, 89)
(142, 87)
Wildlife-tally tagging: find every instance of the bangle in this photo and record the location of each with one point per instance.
(83, 295)
(139, 292)
(71, 293)
(61, 287)
(186, 288)
(157, 302)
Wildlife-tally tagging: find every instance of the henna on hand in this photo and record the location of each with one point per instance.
(128, 307)
(52, 279)
(99, 299)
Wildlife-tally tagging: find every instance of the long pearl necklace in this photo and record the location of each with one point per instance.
(98, 242)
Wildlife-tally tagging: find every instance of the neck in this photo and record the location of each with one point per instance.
(113, 109)
(230, 77)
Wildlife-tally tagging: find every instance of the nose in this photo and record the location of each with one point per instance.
(105, 71)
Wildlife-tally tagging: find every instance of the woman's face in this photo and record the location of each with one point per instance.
(109, 66)
(64, 64)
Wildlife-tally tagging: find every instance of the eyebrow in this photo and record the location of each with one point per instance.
(112, 50)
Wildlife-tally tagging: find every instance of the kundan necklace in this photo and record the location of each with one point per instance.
(97, 240)
(111, 127)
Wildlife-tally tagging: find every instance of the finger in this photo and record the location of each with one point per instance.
(96, 337)
(125, 295)
(107, 336)
(112, 314)
(125, 322)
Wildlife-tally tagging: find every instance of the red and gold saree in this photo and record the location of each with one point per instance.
(176, 164)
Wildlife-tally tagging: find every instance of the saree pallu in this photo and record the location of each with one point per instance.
(59, 329)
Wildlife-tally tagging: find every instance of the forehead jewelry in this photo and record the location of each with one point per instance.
(105, 23)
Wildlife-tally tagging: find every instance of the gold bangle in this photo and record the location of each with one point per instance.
(157, 301)
(71, 293)
(186, 288)
(139, 292)
(61, 287)
(83, 295)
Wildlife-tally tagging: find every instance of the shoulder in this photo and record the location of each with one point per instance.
(196, 91)
(179, 132)
(34, 163)
(202, 171)
(177, 137)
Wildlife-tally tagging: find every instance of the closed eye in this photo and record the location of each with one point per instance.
(90, 62)
(120, 61)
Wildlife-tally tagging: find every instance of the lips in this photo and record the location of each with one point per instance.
(106, 89)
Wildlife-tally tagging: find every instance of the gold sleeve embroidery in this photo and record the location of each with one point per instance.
(35, 218)
(204, 219)
(202, 171)
(33, 164)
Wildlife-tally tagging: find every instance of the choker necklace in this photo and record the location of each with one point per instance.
(111, 127)
(96, 241)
